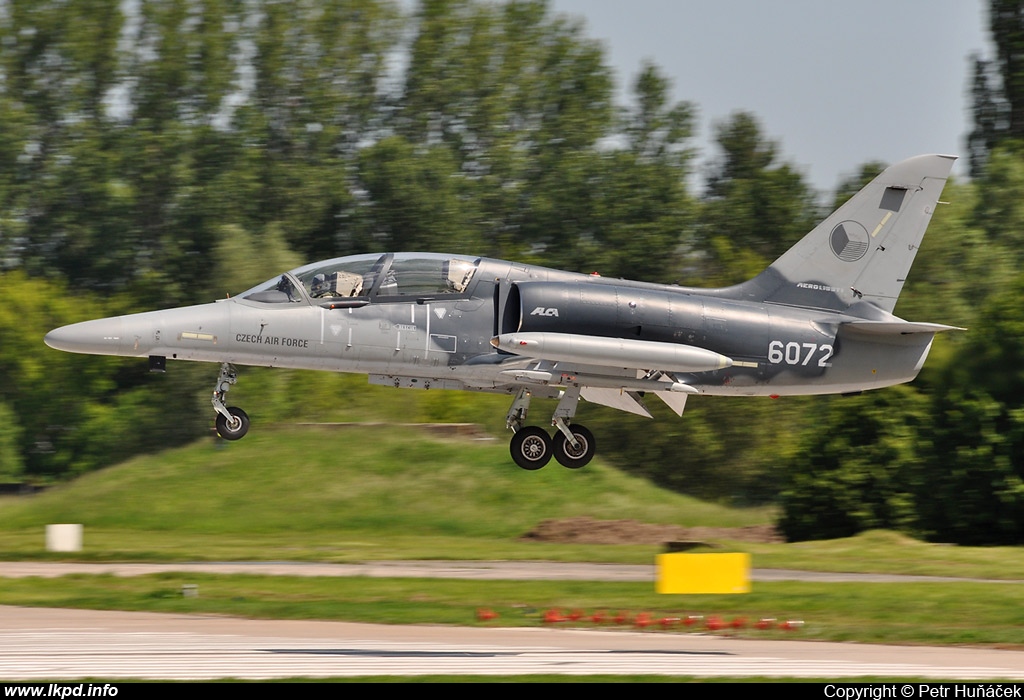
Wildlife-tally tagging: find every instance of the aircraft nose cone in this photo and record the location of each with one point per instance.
(99, 337)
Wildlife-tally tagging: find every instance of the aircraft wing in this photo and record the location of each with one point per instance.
(612, 391)
(628, 401)
(631, 401)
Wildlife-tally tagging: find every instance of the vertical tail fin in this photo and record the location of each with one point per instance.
(864, 250)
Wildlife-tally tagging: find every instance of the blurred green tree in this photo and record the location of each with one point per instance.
(416, 198)
(11, 463)
(754, 208)
(997, 89)
(852, 469)
(520, 99)
(970, 489)
(621, 208)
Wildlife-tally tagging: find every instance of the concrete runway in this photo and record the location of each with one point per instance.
(55, 644)
(59, 644)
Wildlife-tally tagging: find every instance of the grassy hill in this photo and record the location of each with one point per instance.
(340, 493)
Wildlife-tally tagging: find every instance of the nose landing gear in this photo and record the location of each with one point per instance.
(235, 427)
(232, 422)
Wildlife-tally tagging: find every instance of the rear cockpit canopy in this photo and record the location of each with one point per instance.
(392, 276)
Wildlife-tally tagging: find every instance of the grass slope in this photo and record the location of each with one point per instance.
(315, 489)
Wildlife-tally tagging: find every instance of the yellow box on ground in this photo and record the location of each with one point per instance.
(703, 573)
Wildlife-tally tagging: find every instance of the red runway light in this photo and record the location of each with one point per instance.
(553, 615)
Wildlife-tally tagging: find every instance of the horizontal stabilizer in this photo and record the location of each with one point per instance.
(898, 327)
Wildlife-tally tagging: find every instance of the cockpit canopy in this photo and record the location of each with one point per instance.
(391, 276)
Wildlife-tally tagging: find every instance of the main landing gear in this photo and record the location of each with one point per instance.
(232, 422)
(572, 446)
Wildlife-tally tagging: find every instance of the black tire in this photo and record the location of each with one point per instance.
(238, 431)
(572, 458)
(530, 448)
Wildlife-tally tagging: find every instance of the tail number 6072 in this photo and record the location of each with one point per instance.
(794, 353)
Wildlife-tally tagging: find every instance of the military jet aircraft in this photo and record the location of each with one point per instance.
(819, 320)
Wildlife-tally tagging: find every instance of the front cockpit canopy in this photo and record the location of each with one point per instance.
(392, 275)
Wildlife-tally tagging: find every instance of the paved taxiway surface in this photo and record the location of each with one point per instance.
(479, 570)
(59, 644)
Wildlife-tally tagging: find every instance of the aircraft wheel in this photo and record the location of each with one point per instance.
(570, 457)
(240, 425)
(531, 447)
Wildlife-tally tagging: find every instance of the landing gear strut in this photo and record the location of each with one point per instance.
(232, 422)
(573, 446)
